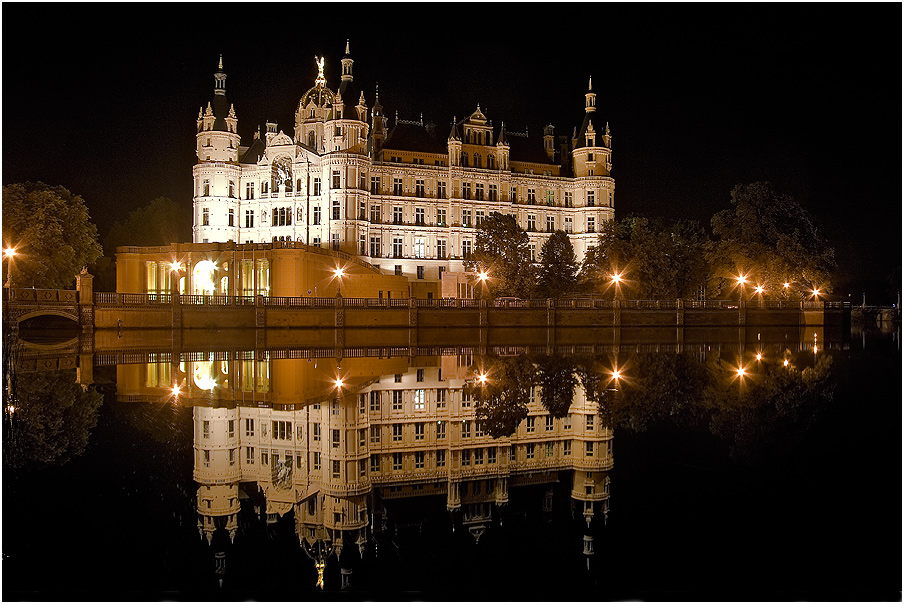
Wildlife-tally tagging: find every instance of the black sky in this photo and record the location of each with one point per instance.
(102, 99)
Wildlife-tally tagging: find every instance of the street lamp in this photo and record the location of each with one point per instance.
(9, 253)
(483, 276)
(175, 268)
(339, 273)
(616, 281)
(741, 279)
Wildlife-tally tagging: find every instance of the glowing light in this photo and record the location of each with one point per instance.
(176, 391)
(741, 279)
(617, 374)
(758, 356)
(175, 266)
(482, 275)
(9, 252)
(482, 378)
(203, 277)
(201, 374)
(785, 285)
(759, 289)
(815, 292)
(740, 372)
(11, 409)
(616, 278)
(339, 272)
(338, 383)
(785, 363)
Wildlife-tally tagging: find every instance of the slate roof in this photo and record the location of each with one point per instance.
(412, 137)
(254, 153)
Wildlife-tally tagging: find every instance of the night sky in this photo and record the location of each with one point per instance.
(102, 99)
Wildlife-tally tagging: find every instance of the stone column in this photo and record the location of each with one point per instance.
(84, 285)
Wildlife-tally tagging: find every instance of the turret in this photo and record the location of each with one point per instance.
(590, 149)
(502, 146)
(378, 123)
(548, 141)
(454, 145)
(216, 136)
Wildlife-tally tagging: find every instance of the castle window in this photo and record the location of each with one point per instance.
(316, 242)
(397, 432)
(288, 216)
(464, 159)
(232, 189)
(397, 186)
(397, 461)
(589, 448)
(397, 215)
(529, 424)
(375, 214)
(441, 248)
(265, 188)
(466, 249)
(298, 185)
(335, 210)
(249, 455)
(466, 191)
(419, 431)
(514, 194)
(590, 198)
(375, 463)
(206, 187)
(420, 251)
(531, 222)
(478, 458)
(590, 157)
(375, 185)
(551, 224)
(419, 216)
(232, 218)
(334, 240)
(249, 191)
(441, 190)
(419, 459)
(249, 218)
(529, 451)
(489, 160)
(397, 247)
(441, 217)
(531, 198)
(288, 186)
(477, 160)
(550, 198)
(311, 134)
(375, 247)
(566, 448)
(419, 188)
(336, 179)
(441, 458)
(249, 427)
(590, 224)
(479, 218)
(375, 434)
(466, 218)
(479, 191)
(466, 457)
(375, 401)
(317, 186)
(205, 216)
(568, 225)
(317, 216)
(491, 193)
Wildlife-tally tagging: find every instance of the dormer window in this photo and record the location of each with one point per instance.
(590, 142)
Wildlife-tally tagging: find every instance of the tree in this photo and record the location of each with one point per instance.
(162, 221)
(657, 259)
(502, 400)
(52, 420)
(558, 273)
(557, 379)
(501, 249)
(772, 239)
(52, 233)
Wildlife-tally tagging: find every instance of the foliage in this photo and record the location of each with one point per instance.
(558, 273)
(502, 401)
(52, 420)
(162, 221)
(557, 380)
(501, 249)
(770, 237)
(658, 260)
(52, 233)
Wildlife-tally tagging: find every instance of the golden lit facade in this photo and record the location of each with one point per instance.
(403, 197)
(321, 437)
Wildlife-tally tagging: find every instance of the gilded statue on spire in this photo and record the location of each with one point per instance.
(321, 80)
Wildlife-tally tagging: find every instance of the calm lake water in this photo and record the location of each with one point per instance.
(441, 473)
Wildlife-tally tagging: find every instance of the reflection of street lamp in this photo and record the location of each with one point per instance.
(9, 254)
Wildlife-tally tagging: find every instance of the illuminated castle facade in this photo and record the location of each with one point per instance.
(396, 428)
(405, 197)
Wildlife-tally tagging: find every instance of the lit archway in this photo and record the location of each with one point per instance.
(203, 277)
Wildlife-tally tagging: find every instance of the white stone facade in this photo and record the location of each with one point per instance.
(399, 197)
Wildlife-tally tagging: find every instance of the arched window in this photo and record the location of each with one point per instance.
(311, 137)
(464, 158)
(487, 138)
(490, 161)
(298, 184)
(477, 160)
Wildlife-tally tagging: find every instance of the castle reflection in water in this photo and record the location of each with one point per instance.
(334, 442)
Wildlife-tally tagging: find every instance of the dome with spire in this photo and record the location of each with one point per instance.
(318, 95)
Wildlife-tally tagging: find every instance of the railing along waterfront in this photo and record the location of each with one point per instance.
(122, 298)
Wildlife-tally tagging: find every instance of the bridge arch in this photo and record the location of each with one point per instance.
(68, 314)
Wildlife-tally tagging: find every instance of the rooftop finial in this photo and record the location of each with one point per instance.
(221, 62)
(589, 83)
(320, 80)
(347, 46)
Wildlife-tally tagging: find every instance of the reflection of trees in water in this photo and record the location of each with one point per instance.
(501, 402)
(773, 405)
(53, 418)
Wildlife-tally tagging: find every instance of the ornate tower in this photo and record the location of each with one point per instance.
(216, 175)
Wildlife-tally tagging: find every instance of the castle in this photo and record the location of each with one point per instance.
(395, 195)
